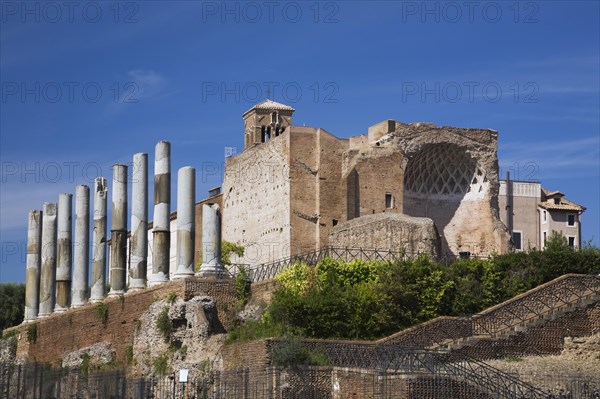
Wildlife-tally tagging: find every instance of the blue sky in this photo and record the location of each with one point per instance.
(88, 84)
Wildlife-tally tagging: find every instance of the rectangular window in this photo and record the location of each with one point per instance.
(545, 237)
(516, 237)
(572, 242)
(545, 216)
(389, 201)
(570, 219)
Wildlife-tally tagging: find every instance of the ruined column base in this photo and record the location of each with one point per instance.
(208, 270)
(137, 284)
(157, 279)
(182, 272)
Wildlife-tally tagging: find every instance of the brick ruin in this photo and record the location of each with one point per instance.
(296, 189)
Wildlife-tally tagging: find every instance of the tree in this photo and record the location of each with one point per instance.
(12, 304)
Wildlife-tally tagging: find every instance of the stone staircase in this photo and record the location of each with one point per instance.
(533, 308)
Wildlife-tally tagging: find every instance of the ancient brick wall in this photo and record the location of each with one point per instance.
(370, 173)
(440, 387)
(263, 291)
(329, 184)
(75, 329)
(254, 354)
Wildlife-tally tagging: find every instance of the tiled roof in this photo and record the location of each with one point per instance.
(562, 206)
(269, 104)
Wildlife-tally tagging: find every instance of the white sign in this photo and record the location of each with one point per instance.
(183, 375)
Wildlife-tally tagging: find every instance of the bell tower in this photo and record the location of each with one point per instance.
(265, 121)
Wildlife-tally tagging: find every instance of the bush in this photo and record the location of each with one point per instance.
(164, 324)
(370, 300)
(32, 333)
(242, 286)
(172, 297)
(85, 364)
(161, 365)
(291, 352)
(101, 312)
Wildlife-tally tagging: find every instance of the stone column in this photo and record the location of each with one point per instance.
(64, 255)
(186, 218)
(48, 269)
(138, 242)
(32, 275)
(211, 241)
(118, 230)
(81, 248)
(161, 235)
(98, 284)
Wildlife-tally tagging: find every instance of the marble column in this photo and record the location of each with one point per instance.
(186, 218)
(118, 230)
(98, 284)
(161, 234)
(64, 255)
(139, 223)
(34, 259)
(81, 251)
(211, 241)
(48, 268)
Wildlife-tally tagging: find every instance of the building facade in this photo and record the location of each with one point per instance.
(532, 213)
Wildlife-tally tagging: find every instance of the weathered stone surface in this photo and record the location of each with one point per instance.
(99, 354)
(64, 254)
(186, 199)
(451, 176)
(81, 252)
(162, 208)
(34, 259)
(98, 282)
(194, 326)
(118, 229)
(48, 267)
(139, 222)
(211, 241)
(388, 230)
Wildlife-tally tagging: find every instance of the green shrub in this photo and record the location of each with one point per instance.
(370, 300)
(164, 324)
(242, 286)
(172, 297)
(129, 353)
(32, 332)
(290, 351)
(161, 365)
(85, 364)
(101, 312)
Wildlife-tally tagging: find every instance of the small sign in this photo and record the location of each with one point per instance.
(183, 375)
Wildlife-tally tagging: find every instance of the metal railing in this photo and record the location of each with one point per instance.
(366, 355)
